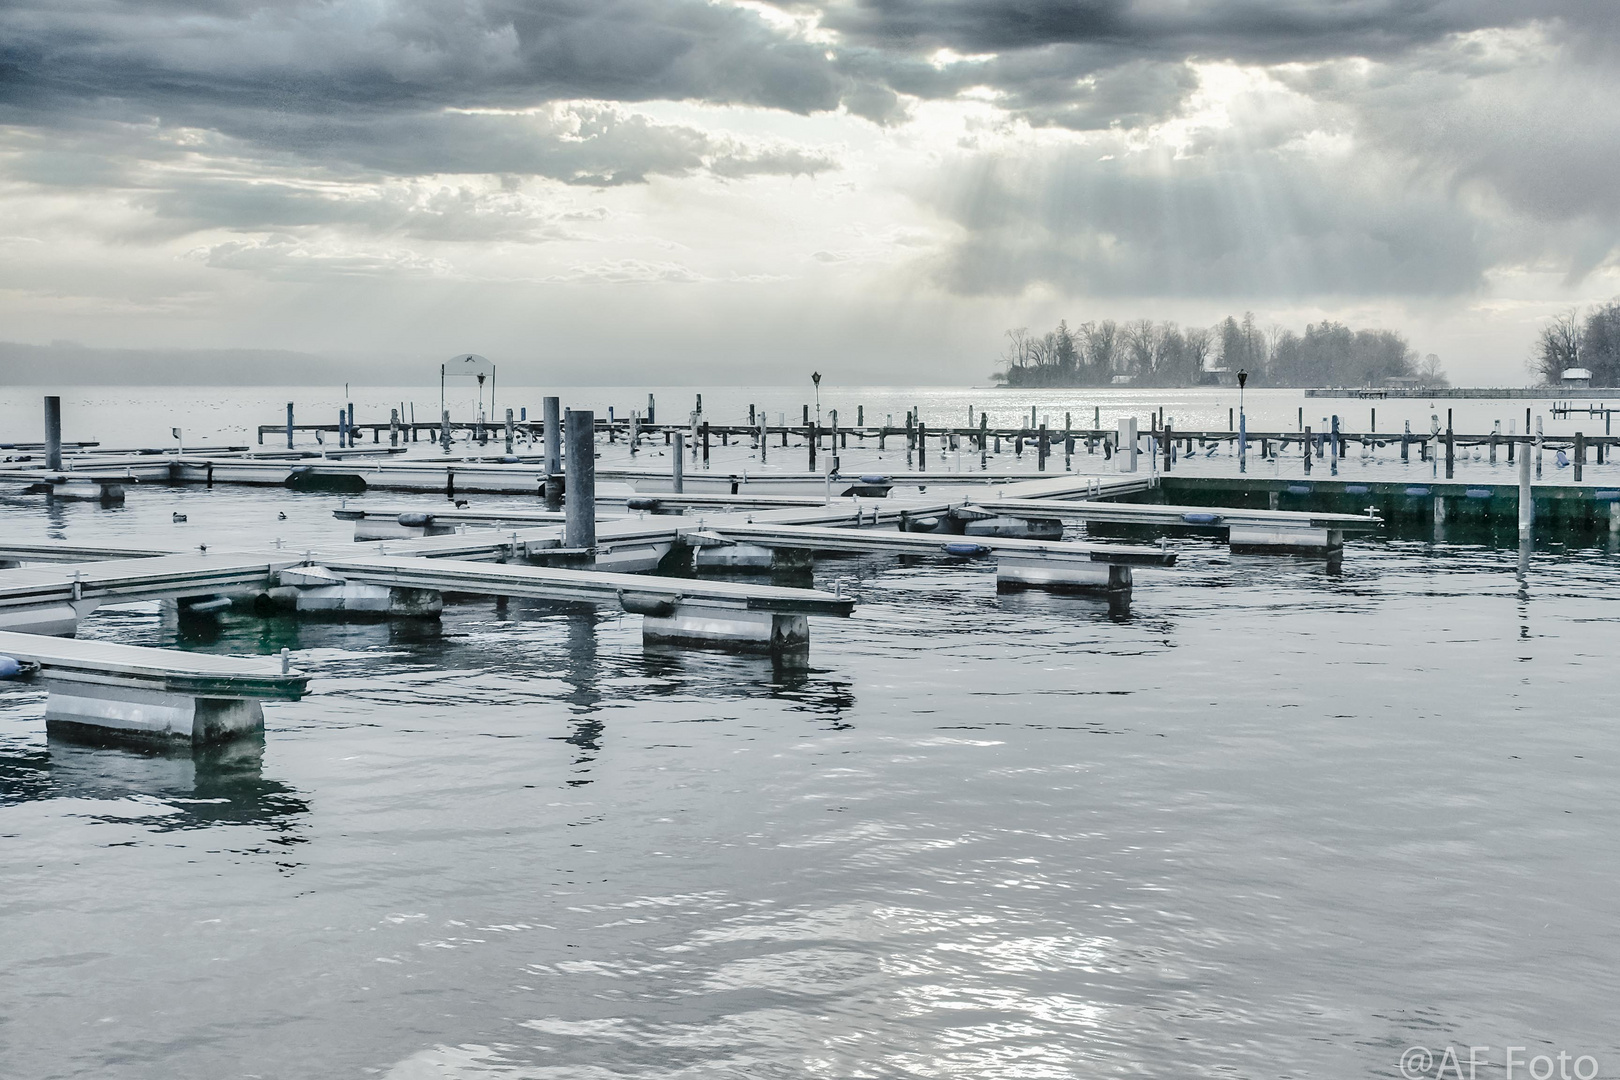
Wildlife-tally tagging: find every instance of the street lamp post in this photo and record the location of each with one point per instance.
(1243, 425)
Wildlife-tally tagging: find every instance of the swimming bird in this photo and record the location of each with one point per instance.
(282, 516)
(179, 517)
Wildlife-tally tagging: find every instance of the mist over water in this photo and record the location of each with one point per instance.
(1268, 819)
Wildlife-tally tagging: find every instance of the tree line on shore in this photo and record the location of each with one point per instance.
(1575, 341)
(1147, 353)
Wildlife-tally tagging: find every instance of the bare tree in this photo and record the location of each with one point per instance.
(1432, 373)
(1199, 341)
(1558, 347)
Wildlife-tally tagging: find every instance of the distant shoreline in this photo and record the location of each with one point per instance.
(1456, 392)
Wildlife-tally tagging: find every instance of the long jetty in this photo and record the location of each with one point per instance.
(655, 552)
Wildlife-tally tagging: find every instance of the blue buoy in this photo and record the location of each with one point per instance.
(1355, 489)
(1201, 519)
(1299, 489)
(1478, 493)
(1606, 496)
(1417, 492)
(9, 667)
(874, 479)
(1563, 459)
(415, 519)
(966, 551)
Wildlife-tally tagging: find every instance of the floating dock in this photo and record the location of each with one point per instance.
(100, 690)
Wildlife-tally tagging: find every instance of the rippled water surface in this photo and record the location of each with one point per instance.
(1268, 820)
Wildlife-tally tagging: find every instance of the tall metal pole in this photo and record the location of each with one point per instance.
(551, 418)
(579, 530)
(53, 433)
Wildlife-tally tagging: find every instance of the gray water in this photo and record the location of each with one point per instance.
(1270, 820)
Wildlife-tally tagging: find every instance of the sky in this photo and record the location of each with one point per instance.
(709, 191)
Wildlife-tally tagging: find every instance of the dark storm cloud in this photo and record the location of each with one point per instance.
(290, 117)
(323, 66)
(1258, 31)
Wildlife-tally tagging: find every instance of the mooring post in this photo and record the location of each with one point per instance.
(509, 431)
(1513, 438)
(551, 427)
(1580, 454)
(289, 425)
(579, 528)
(343, 429)
(679, 445)
(1041, 450)
(833, 466)
(1538, 440)
(1243, 443)
(1406, 439)
(1307, 445)
(705, 441)
(444, 431)
(922, 447)
(1127, 444)
(1451, 451)
(811, 437)
(53, 432)
(1496, 435)
(764, 436)
(1169, 445)
(1527, 501)
(393, 427)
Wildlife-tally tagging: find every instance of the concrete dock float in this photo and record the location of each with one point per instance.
(101, 691)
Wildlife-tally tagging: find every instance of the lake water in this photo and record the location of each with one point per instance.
(1269, 821)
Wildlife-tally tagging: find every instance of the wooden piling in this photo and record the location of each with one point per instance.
(1580, 454)
(922, 447)
(579, 529)
(510, 431)
(289, 425)
(1306, 445)
(679, 459)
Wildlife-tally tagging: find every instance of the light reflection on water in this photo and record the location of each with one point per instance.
(1269, 819)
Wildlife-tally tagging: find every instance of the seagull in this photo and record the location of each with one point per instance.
(282, 516)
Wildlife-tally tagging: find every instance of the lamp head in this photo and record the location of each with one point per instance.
(1243, 377)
